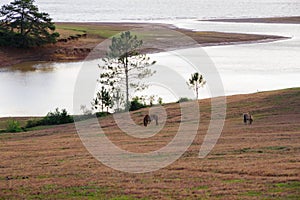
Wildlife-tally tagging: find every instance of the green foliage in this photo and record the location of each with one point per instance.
(160, 101)
(135, 104)
(57, 117)
(22, 25)
(52, 118)
(183, 99)
(13, 126)
(125, 65)
(103, 99)
(101, 114)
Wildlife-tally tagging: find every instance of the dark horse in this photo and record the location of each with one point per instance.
(247, 117)
(149, 118)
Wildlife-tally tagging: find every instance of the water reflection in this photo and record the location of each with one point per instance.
(30, 67)
(37, 88)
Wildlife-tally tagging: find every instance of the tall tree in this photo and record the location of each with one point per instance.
(26, 25)
(196, 81)
(125, 65)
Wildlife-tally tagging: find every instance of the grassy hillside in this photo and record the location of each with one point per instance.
(260, 161)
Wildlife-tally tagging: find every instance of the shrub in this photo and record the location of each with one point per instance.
(160, 101)
(183, 99)
(101, 114)
(57, 117)
(135, 104)
(52, 118)
(33, 123)
(13, 126)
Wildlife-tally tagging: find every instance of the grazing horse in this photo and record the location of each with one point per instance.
(149, 118)
(247, 117)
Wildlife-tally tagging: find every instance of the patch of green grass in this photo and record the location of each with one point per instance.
(234, 181)
(52, 191)
(102, 31)
(123, 197)
(36, 128)
(201, 187)
(253, 193)
(286, 190)
(248, 150)
(276, 148)
(289, 185)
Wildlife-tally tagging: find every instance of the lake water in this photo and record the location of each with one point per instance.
(244, 68)
(116, 10)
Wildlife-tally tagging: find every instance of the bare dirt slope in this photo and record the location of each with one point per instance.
(260, 161)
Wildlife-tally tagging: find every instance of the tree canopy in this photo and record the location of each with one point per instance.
(125, 65)
(22, 25)
(196, 81)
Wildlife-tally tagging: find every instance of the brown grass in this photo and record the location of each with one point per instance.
(249, 162)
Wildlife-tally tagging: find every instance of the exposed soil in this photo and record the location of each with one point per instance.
(258, 161)
(77, 40)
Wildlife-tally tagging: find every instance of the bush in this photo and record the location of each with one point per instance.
(135, 104)
(183, 99)
(33, 123)
(101, 114)
(57, 117)
(52, 118)
(13, 126)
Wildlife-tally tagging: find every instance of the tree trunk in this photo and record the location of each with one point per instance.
(197, 91)
(127, 84)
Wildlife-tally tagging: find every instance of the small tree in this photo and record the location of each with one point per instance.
(151, 100)
(103, 99)
(23, 25)
(196, 81)
(107, 100)
(117, 99)
(125, 65)
(160, 101)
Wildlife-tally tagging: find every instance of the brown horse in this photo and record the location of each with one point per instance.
(149, 118)
(247, 117)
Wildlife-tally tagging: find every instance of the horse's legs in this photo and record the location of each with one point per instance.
(250, 120)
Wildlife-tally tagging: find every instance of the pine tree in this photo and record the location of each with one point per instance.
(125, 65)
(24, 26)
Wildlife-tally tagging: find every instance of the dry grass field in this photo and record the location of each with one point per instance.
(261, 161)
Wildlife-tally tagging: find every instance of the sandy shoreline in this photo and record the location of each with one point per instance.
(96, 32)
(279, 20)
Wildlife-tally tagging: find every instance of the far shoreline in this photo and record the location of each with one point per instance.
(70, 50)
(271, 20)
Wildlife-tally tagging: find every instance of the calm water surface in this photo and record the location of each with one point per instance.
(244, 68)
(117, 10)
